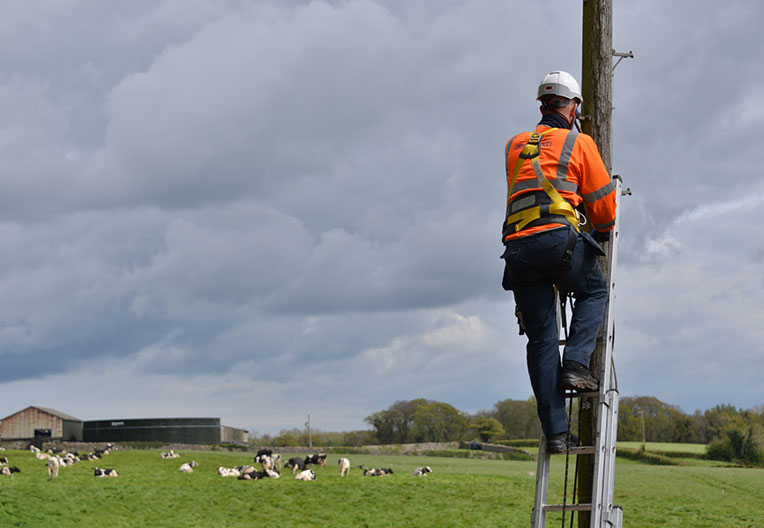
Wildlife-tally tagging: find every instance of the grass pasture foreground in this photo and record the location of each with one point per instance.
(150, 492)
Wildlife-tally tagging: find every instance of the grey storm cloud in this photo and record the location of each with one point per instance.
(213, 201)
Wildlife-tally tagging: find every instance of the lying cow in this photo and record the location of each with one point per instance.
(188, 467)
(308, 474)
(422, 471)
(318, 458)
(9, 470)
(228, 472)
(378, 472)
(3, 460)
(295, 464)
(169, 454)
(344, 464)
(253, 474)
(105, 451)
(105, 472)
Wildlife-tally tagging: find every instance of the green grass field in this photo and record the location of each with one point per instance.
(697, 449)
(150, 492)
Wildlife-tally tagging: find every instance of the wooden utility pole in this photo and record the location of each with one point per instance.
(597, 89)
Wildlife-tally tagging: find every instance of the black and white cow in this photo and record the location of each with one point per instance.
(295, 464)
(228, 472)
(317, 458)
(105, 472)
(422, 471)
(188, 467)
(378, 472)
(9, 470)
(306, 475)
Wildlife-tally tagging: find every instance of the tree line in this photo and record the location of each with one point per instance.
(730, 433)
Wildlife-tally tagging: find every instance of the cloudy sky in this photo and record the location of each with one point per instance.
(260, 210)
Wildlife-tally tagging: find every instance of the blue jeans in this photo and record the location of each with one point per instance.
(536, 300)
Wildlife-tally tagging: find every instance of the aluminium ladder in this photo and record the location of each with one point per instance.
(603, 513)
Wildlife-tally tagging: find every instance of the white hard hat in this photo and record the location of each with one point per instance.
(560, 83)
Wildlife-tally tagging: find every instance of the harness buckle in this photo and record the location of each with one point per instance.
(531, 149)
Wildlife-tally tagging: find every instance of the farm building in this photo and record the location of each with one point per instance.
(40, 423)
(170, 430)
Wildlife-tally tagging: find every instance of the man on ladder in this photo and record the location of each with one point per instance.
(551, 172)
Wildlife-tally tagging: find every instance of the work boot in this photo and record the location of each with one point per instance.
(559, 443)
(577, 377)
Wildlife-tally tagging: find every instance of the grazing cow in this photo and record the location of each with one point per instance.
(188, 467)
(53, 466)
(318, 458)
(105, 472)
(295, 463)
(9, 470)
(308, 474)
(344, 466)
(422, 471)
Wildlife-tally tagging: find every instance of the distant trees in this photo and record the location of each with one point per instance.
(518, 417)
(488, 429)
(731, 434)
(662, 422)
(418, 420)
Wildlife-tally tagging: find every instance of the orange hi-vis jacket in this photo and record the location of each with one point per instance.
(570, 161)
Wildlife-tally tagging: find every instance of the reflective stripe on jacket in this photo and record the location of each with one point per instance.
(572, 164)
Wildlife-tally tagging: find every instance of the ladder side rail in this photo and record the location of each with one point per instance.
(603, 441)
(609, 325)
(611, 515)
(538, 515)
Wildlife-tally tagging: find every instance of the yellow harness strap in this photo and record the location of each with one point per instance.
(559, 205)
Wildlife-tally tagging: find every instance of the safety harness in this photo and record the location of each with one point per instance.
(536, 208)
(540, 207)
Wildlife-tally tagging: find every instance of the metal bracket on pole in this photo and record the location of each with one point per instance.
(621, 56)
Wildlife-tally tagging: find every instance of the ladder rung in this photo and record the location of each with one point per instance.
(579, 450)
(572, 394)
(582, 450)
(567, 507)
